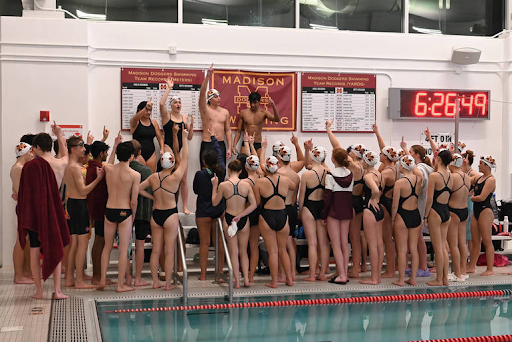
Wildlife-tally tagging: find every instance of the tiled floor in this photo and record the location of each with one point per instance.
(18, 310)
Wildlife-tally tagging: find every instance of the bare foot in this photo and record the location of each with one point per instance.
(169, 287)
(353, 275)
(158, 285)
(321, 277)
(23, 280)
(388, 275)
(369, 281)
(101, 286)
(433, 270)
(294, 278)
(236, 285)
(60, 295)
(69, 282)
(398, 283)
(471, 270)
(281, 279)
(141, 283)
(309, 279)
(411, 282)
(487, 273)
(87, 277)
(186, 211)
(82, 285)
(364, 268)
(289, 282)
(247, 283)
(128, 281)
(435, 283)
(124, 288)
(272, 285)
(202, 277)
(37, 295)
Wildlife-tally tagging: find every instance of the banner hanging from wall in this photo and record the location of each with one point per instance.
(349, 99)
(235, 87)
(140, 84)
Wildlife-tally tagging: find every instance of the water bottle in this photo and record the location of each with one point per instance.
(505, 224)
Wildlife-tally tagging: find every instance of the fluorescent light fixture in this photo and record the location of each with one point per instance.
(206, 21)
(91, 16)
(318, 4)
(323, 27)
(426, 30)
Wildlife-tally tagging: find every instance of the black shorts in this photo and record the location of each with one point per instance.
(33, 237)
(208, 145)
(99, 228)
(78, 216)
(257, 146)
(142, 229)
(117, 215)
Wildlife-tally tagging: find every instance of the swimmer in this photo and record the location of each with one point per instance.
(144, 129)
(312, 185)
(406, 219)
(21, 259)
(270, 193)
(481, 222)
(459, 215)
(237, 195)
(168, 122)
(466, 168)
(165, 220)
(373, 214)
(78, 215)
(337, 211)
(388, 157)
(123, 190)
(43, 175)
(217, 116)
(251, 120)
(437, 212)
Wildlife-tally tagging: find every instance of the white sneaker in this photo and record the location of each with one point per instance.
(465, 276)
(451, 277)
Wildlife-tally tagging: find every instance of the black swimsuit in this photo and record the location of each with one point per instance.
(255, 215)
(377, 212)
(357, 200)
(144, 135)
(386, 201)
(461, 213)
(442, 208)
(411, 218)
(160, 216)
(478, 207)
(168, 137)
(229, 218)
(275, 218)
(315, 207)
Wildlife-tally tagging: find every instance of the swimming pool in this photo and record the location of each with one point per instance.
(389, 321)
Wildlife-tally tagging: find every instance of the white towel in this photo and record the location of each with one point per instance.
(233, 228)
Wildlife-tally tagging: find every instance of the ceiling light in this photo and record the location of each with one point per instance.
(426, 30)
(91, 16)
(323, 27)
(214, 22)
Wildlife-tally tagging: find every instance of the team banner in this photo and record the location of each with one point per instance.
(235, 87)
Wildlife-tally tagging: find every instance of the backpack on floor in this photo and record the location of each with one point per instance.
(499, 260)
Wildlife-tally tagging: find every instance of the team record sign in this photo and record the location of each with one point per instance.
(438, 104)
(349, 99)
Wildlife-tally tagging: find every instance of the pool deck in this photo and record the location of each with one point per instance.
(26, 319)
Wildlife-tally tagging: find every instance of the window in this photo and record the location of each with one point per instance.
(272, 13)
(355, 15)
(457, 17)
(124, 10)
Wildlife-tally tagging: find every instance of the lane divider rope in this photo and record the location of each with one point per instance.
(324, 301)
(500, 338)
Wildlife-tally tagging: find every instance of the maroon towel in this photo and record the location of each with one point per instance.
(40, 210)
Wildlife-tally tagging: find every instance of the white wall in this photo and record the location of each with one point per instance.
(81, 83)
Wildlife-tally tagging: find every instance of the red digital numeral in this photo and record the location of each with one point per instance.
(481, 102)
(438, 104)
(451, 107)
(420, 109)
(468, 102)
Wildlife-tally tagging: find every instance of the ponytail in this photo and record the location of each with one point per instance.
(422, 153)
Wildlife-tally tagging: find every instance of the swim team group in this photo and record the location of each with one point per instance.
(381, 202)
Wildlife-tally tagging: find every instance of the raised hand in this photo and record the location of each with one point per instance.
(118, 139)
(215, 181)
(170, 82)
(308, 145)
(175, 129)
(403, 144)
(294, 139)
(246, 136)
(264, 143)
(150, 102)
(106, 132)
(210, 129)
(251, 138)
(328, 124)
(270, 101)
(90, 138)
(56, 130)
(210, 71)
(427, 133)
(375, 128)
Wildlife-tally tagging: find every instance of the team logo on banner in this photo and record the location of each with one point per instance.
(235, 87)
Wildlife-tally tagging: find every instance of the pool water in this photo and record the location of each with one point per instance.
(396, 321)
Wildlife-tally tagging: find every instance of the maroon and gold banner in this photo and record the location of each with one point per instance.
(235, 87)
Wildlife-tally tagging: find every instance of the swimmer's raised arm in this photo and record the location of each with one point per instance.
(202, 95)
(299, 164)
(433, 145)
(117, 141)
(245, 149)
(275, 117)
(164, 113)
(381, 142)
(190, 126)
(334, 142)
(63, 149)
(180, 171)
(134, 120)
(106, 132)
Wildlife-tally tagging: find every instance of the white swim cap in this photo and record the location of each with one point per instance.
(358, 150)
(489, 160)
(284, 153)
(22, 149)
(318, 154)
(167, 160)
(407, 162)
(174, 98)
(391, 153)
(252, 162)
(457, 160)
(275, 148)
(370, 158)
(212, 93)
(271, 164)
